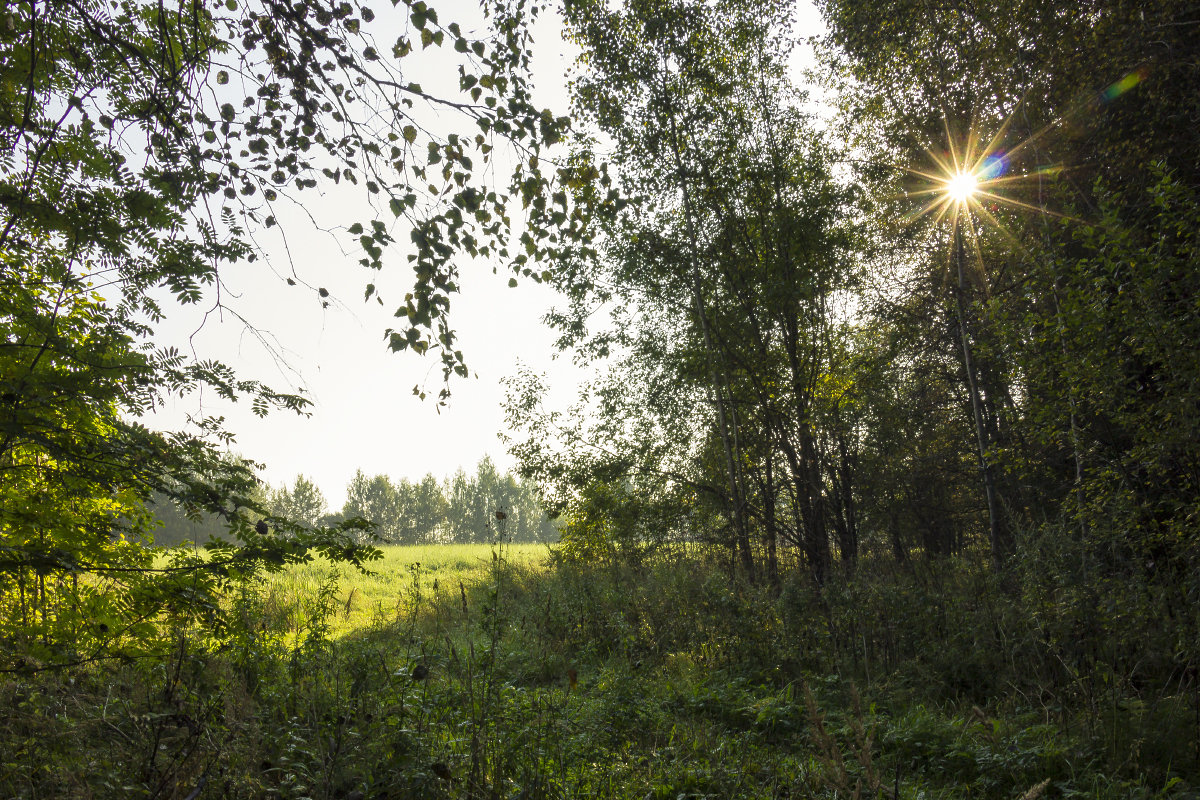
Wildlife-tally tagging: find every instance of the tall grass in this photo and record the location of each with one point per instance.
(488, 673)
(384, 594)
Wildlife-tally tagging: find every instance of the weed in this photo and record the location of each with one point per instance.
(481, 673)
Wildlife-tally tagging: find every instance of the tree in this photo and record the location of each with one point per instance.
(1061, 407)
(377, 500)
(428, 510)
(460, 522)
(726, 272)
(145, 145)
(302, 501)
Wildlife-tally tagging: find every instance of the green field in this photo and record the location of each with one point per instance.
(389, 590)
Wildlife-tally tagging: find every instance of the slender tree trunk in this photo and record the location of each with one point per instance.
(719, 382)
(810, 517)
(996, 536)
(769, 523)
(899, 550)
(810, 488)
(814, 504)
(843, 474)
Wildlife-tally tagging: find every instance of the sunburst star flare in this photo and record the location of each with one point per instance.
(961, 186)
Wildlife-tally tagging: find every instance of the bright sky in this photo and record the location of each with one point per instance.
(364, 414)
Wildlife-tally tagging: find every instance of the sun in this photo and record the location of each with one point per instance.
(975, 176)
(964, 179)
(962, 186)
(971, 178)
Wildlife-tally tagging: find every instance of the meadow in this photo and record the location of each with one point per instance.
(519, 672)
(385, 593)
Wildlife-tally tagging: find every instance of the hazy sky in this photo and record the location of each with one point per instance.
(364, 415)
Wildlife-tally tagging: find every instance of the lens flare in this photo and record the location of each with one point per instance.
(993, 166)
(973, 178)
(970, 181)
(1124, 85)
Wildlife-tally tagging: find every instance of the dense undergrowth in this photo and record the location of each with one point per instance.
(659, 679)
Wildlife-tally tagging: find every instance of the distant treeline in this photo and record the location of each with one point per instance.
(461, 509)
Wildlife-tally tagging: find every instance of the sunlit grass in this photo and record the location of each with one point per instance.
(386, 592)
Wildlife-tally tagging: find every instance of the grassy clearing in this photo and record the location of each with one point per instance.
(544, 679)
(383, 596)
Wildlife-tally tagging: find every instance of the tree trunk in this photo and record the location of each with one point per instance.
(769, 523)
(997, 537)
(720, 387)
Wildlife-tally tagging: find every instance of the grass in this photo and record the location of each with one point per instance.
(383, 595)
(528, 677)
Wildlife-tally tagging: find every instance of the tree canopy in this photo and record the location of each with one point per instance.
(813, 345)
(145, 145)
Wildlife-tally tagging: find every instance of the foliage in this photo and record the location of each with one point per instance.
(662, 680)
(794, 362)
(145, 147)
(302, 501)
(607, 523)
(1082, 113)
(723, 280)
